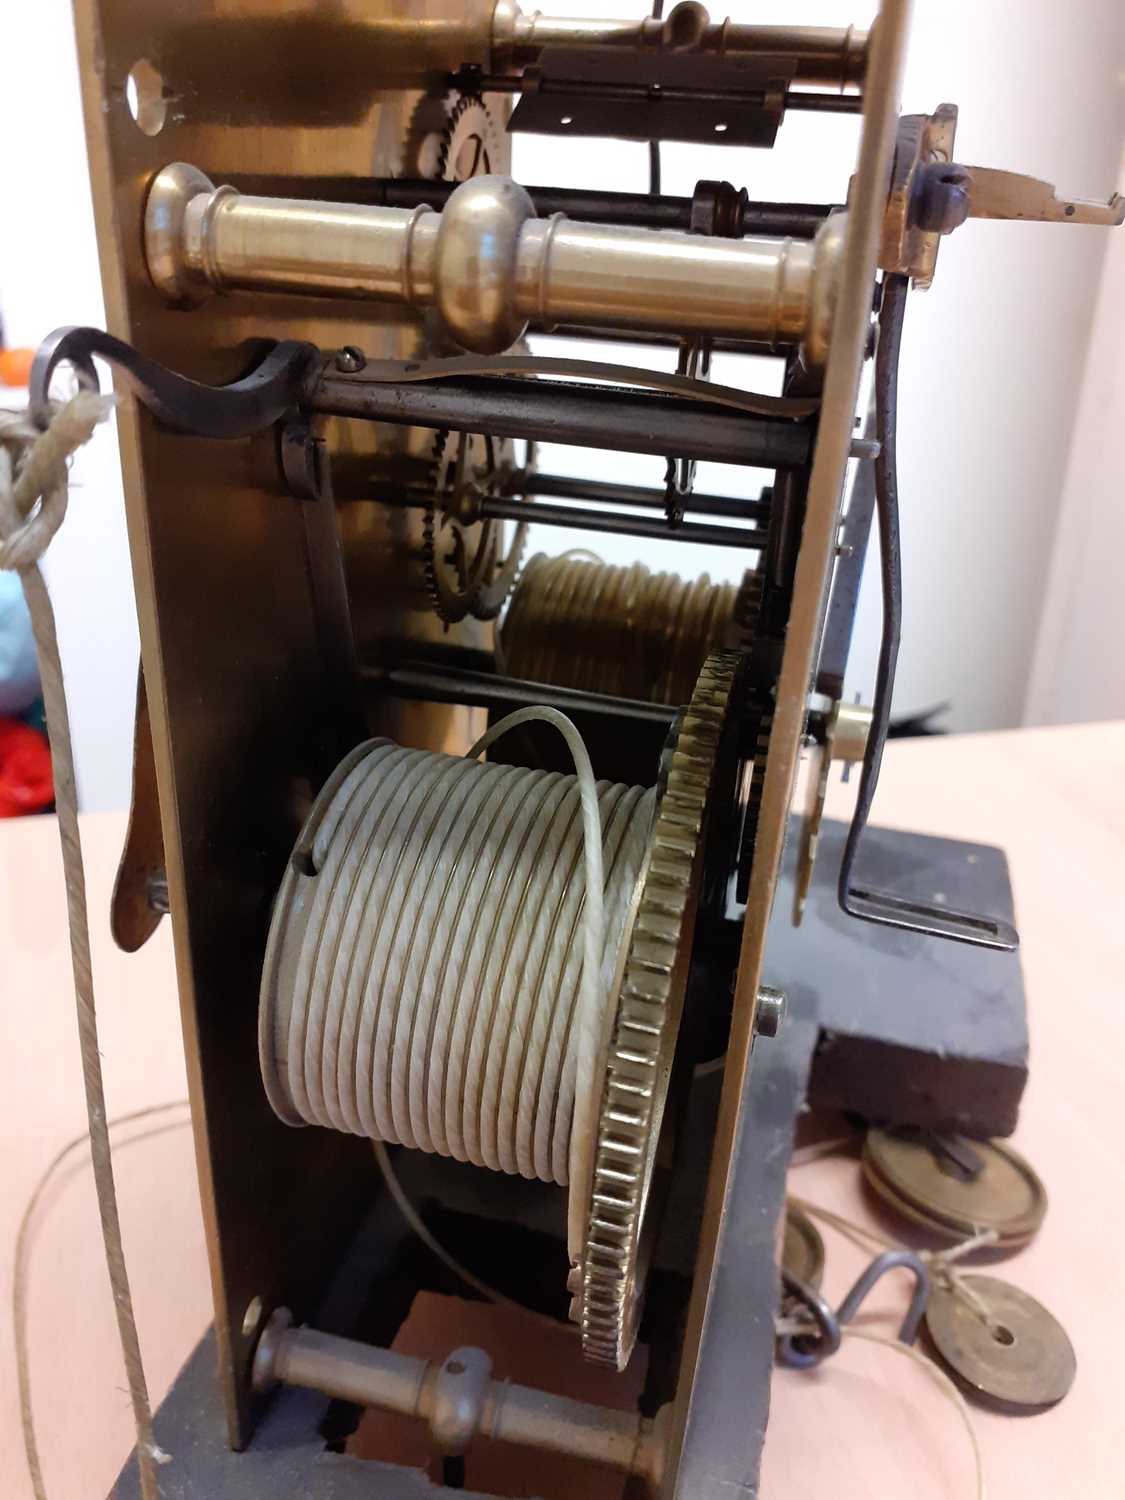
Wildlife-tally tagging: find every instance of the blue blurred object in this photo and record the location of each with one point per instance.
(19, 674)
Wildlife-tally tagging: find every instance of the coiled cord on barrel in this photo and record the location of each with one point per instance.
(425, 985)
(577, 622)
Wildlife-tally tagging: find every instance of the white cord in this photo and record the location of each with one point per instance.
(33, 501)
(21, 1269)
(436, 1248)
(941, 1264)
(438, 996)
(944, 1384)
(594, 985)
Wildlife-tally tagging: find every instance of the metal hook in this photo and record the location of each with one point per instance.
(889, 1261)
(800, 1351)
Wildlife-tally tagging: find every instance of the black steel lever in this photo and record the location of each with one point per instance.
(270, 390)
(856, 899)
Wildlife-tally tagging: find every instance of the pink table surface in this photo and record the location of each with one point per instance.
(869, 1424)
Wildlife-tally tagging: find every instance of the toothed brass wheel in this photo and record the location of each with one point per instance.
(503, 570)
(458, 547)
(470, 144)
(642, 1041)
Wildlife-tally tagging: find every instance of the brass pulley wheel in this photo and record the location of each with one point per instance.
(994, 1188)
(802, 1247)
(1002, 1345)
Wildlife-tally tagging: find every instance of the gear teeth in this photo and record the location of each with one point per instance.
(474, 591)
(753, 807)
(438, 596)
(421, 145)
(747, 607)
(503, 574)
(453, 601)
(649, 1003)
(468, 116)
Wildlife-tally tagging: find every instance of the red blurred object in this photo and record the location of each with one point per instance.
(25, 770)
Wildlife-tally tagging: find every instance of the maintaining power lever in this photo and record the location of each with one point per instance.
(858, 901)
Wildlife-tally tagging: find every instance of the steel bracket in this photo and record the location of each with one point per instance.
(907, 248)
(644, 96)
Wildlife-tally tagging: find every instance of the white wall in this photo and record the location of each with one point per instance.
(991, 367)
(49, 276)
(1079, 667)
(992, 354)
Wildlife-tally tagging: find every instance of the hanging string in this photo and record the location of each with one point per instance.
(33, 501)
(818, 1150)
(594, 994)
(943, 1269)
(22, 1267)
(941, 1263)
(450, 1261)
(944, 1384)
(865, 1239)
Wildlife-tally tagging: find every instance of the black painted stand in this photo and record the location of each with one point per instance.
(893, 1026)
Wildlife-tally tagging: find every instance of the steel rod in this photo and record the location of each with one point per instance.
(456, 1397)
(498, 37)
(824, 104)
(602, 492)
(645, 339)
(429, 682)
(832, 57)
(625, 92)
(583, 519)
(635, 210)
(843, 599)
(581, 416)
(615, 523)
(567, 487)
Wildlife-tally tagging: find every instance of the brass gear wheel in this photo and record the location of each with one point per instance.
(422, 143)
(465, 573)
(471, 144)
(459, 552)
(504, 570)
(650, 996)
(451, 143)
(757, 730)
(747, 606)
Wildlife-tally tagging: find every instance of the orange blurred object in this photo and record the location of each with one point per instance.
(15, 366)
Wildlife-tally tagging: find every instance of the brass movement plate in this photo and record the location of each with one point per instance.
(244, 725)
(695, 1459)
